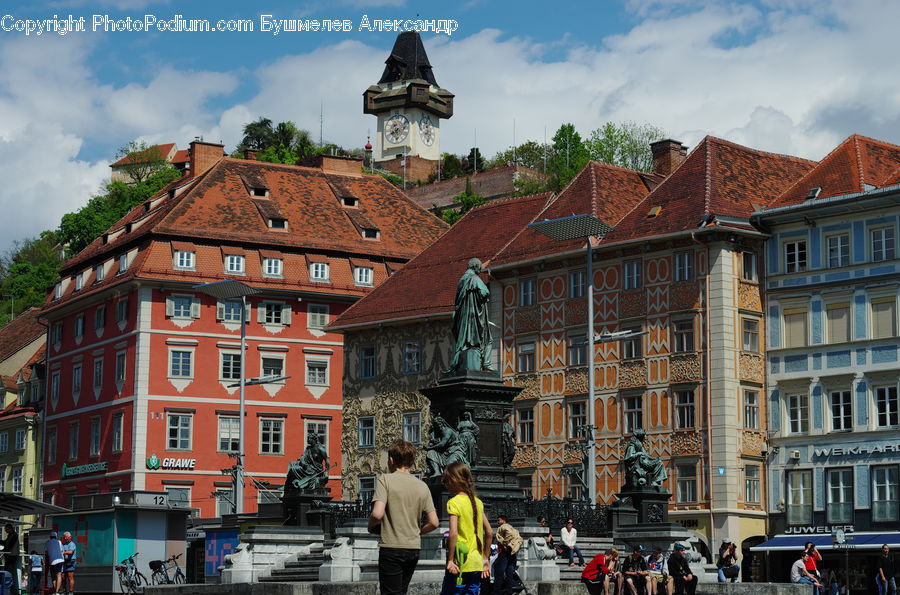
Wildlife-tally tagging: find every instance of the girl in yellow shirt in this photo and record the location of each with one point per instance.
(468, 547)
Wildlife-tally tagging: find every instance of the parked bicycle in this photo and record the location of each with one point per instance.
(167, 572)
(131, 580)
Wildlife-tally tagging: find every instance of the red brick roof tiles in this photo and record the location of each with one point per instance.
(164, 150)
(20, 332)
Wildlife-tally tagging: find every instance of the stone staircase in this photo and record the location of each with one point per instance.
(304, 568)
(590, 547)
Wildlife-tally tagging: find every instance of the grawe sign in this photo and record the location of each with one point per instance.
(155, 463)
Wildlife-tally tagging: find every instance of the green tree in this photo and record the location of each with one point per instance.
(626, 144)
(529, 154)
(474, 161)
(467, 201)
(258, 136)
(141, 161)
(569, 156)
(29, 271)
(527, 185)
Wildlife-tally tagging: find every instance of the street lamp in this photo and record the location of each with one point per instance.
(231, 289)
(570, 228)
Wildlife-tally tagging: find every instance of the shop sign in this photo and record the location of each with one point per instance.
(818, 529)
(154, 463)
(861, 449)
(68, 471)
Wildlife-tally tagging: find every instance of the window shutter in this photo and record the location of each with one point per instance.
(884, 323)
(795, 328)
(839, 324)
(286, 314)
(170, 306)
(220, 310)
(247, 310)
(195, 308)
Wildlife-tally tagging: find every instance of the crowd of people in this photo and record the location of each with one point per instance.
(56, 563)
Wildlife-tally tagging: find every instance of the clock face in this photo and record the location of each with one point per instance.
(396, 128)
(426, 130)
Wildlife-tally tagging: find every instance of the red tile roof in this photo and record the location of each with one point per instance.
(163, 149)
(181, 156)
(855, 163)
(23, 330)
(718, 178)
(427, 284)
(491, 184)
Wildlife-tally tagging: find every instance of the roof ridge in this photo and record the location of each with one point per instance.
(593, 194)
(735, 145)
(521, 231)
(860, 166)
(707, 185)
(506, 199)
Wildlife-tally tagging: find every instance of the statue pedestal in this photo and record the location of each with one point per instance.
(483, 394)
(303, 509)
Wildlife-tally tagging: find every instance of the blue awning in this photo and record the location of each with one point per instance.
(859, 541)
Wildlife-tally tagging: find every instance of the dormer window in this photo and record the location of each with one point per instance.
(318, 271)
(362, 276)
(278, 223)
(272, 267)
(370, 233)
(57, 291)
(184, 260)
(234, 264)
(350, 201)
(260, 192)
(79, 281)
(123, 263)
(99, 273)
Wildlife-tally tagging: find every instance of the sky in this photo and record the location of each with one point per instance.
(788, 76)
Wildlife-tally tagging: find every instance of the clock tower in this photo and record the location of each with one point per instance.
(409, 106)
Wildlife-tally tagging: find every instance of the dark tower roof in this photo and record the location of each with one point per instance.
(407, 61)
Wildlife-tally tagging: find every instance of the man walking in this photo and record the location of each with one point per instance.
(509, 541)
(399, 502)
(53, 550)
(685, 580)
(885, 580)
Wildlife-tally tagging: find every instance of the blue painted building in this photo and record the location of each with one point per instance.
(833, 355)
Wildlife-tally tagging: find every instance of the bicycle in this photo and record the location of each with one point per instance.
(131, 580)
(161, 570)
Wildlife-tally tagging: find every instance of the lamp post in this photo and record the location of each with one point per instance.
(570, 228)
(231, 289)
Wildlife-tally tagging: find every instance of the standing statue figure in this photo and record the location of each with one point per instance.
(310, 471)
(471, 328)
(444, 448)
(468, 435)
(508, 442)
(642, 470)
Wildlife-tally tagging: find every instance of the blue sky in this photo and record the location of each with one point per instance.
(790, 76)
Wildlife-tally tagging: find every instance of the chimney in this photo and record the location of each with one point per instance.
(668, 154)
(335, 164)
(250, 155)
(203, 155)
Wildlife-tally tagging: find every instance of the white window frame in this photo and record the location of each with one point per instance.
(321, 378)
(633, 413)
(685, 409)
(752, 484)
(181, 351)
(228, 432)
(21, 434)
(182, 306)
(54, 386)
(799, 486)
(683, 336)
(122, 310)
(885, 239)
(887, 407)
(838, 486)
(79, 281)
(576, 354)
(749, 266)
(17, 479)
(79, 326)
(234, 264)
(796, 256)
(179, 428)
(412, 427)
(99, 273)
(313, 426)
(52, 437)
(123, 263)
(840, 404)
(684, 265)
(273, 267)
(578, 419)
(319, 272)
(525, 426)
(527, 292)
(365, 431)
(364, 276)
(686, 480)
(4, 442)
(234, 373)
(631, 273)
(798, 413)
(633, 347)
(265, 367)
(178, 501)
(274, 443)
(751, 408)
(526, 358)
(366, 487)
(885, 488)
(412, 357)
(837, 250)
(317, 315)
(750, 334)
(184, 260)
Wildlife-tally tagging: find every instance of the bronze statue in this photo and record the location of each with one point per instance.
(508, 444)
(310, 471)
(471, 327)
(468, 435)
(642, 470)
(444, 448)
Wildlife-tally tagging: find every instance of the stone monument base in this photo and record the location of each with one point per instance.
(266, 547)
(304, 509)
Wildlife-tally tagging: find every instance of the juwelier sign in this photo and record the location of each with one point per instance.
(154, 463)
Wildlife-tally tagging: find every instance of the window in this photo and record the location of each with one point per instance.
(57, 332)
(748, 266)
(686, 482)
(271, 440)
(98, 373)
(884, 318)
(317, 372)
(122, 310)
(51, 445)
(4, 442)
(795, 256)
(272, 313)
(838, 251)
(886, 406)
(750, 329)
(20, 439)
(73, 440)
(179, 497)
(231, 366)
(229, 433)
(882, 244)
(526, 292)
(318, 271)
(272, 267)
(795, 332)
(180, 306)
(179, 432)
(370, 233)
(576, 284)
(841, 419)
(366, 488)
(117, 428)
(840, 496)
(120, 367)
(365, 431)
(751, 409)
(838, 321)
(123, 263)
(76, 379)
(234, 264)
(367, 366)
(632, 346)
(272, 366)
(632, 272)
(79, 326)
(526, 425)
(317, 315)
(799, 497)
(54, 387)
(99, 273)
(752, 489)
(57, 291)
(526, 357)
(362, 275)
(79, 281)
(577, 420)
(95, 436)
(634, 414)
(884, 494)
(684, 409)
(180, 364)
(320, 429)
(577, 350)
(412, 357)
(100, 318)
(224, 501)
(230, 310)
(798, 413)
(184, 260)
(17, 480)
(412, 427)
(684, 266)
(684, 335)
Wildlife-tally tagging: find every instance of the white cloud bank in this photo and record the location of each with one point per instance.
(793, 80)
